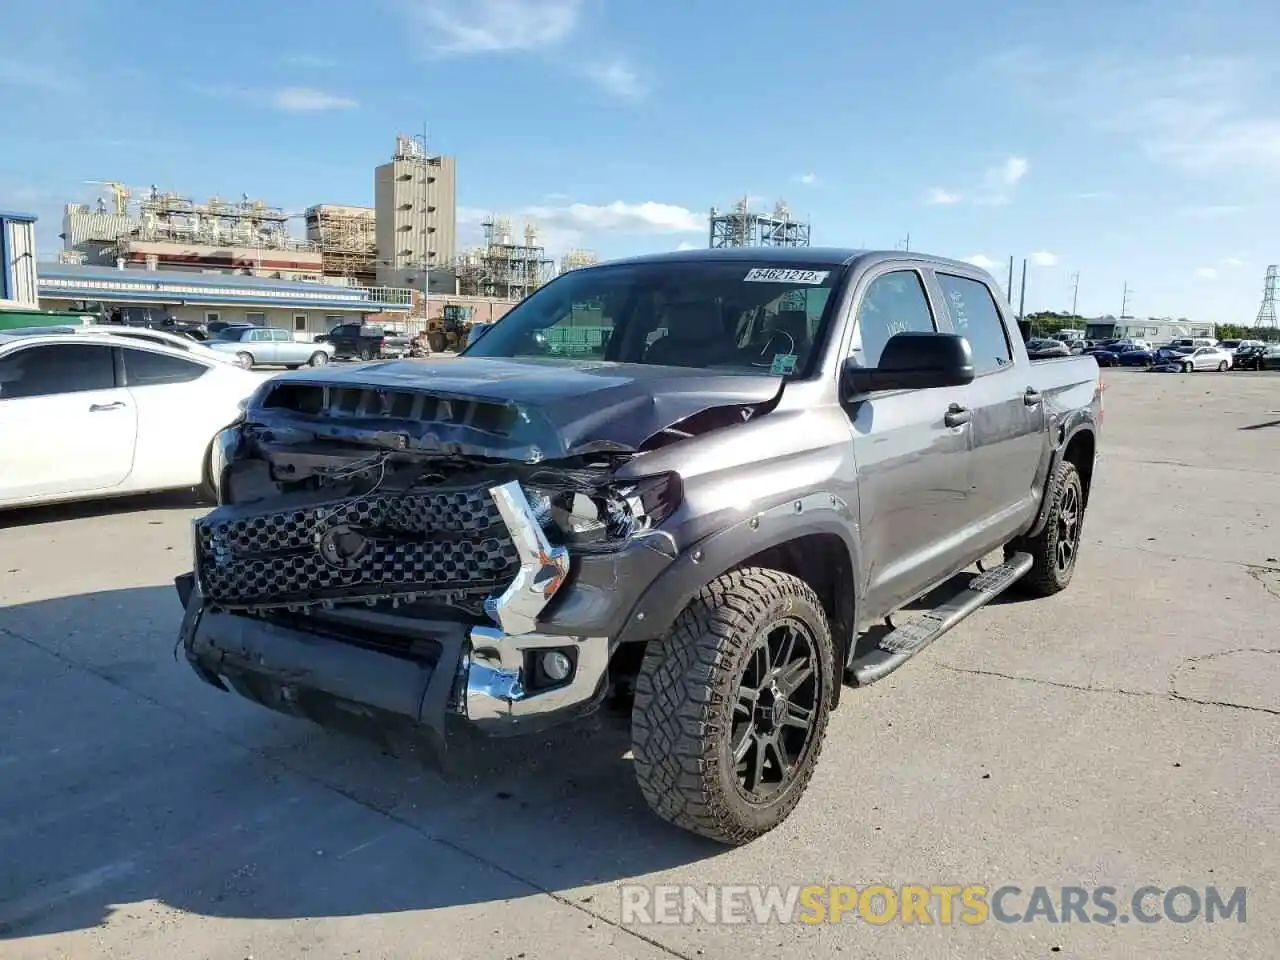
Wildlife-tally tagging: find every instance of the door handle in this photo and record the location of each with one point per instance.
(957, 415)
(100, 407)
(1031, 397)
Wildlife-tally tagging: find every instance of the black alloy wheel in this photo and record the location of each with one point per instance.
(773, 718)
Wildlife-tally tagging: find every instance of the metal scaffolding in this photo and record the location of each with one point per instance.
(503, 268)
(743, 227)
(348, 240)
(576, 259)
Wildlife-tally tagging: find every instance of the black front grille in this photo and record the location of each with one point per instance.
(371, 547)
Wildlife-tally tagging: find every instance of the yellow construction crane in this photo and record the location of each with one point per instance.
(120, 193)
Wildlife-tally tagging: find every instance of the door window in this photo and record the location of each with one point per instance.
(143, 368)
(280, 335)
(258, 336)
(976, 318)
(56, 368)
(893, 303)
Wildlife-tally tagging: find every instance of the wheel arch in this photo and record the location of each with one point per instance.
(812, 538)
(1080, 447)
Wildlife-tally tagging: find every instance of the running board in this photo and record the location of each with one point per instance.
(903, 643)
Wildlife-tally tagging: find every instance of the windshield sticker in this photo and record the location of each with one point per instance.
(784, 364)
(782, 275)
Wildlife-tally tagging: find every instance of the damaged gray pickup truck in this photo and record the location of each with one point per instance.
(700, 483)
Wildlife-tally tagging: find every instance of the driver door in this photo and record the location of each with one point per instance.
(913, 466)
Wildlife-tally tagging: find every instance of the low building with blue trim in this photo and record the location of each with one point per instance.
(304, 307)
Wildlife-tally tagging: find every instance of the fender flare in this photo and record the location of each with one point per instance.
(701, 562)
(1082, 425)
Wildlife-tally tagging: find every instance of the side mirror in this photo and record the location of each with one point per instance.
(912, 361)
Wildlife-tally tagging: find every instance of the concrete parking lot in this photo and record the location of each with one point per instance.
(1126, 732)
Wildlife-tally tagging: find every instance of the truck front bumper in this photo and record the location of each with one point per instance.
(410, 683)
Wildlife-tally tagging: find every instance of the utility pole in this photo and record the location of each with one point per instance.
(1124, 300)
(1008, 290)
(1022, 298)
(1075, 292)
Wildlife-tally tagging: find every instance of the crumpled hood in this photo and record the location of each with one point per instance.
(562, 408)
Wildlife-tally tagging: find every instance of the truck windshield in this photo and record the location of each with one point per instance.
(751, 315)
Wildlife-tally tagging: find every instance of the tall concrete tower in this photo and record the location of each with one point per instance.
(416, 205)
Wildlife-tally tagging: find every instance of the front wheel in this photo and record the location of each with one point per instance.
(245, 360)
(731, 706)
(1188, 368)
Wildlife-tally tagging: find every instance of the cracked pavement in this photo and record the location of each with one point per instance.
(1124, 732)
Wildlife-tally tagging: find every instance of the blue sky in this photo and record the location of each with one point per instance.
(1125, 141)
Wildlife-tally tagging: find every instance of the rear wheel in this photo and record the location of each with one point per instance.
(731, 706)
(318, 359)
(1187, 367)
(1222, 366)
(1054, 550)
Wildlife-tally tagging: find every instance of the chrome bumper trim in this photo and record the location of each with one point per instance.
(543, 568)
(495, 694)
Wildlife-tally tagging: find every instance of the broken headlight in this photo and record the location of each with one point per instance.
(604, 517)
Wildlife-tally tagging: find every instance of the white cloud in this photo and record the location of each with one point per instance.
(491, 26)
(1207, 273)
(1011, 171)
(808, 179)
(288, 99)
(35, 76)
(1233, 262)
(1205, 210)
(618, 78)
(1043, 258)
(309, 60)
(1200, 114)
(995, 189)
(307, 100)
(620, 217)
(981, 260)
(1095, 195)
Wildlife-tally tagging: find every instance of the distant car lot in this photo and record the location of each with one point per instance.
(1127, 731)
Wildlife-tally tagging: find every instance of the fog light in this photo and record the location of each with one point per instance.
(556, 665)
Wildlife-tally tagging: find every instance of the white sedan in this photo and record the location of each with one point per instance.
(83, 417)
(1205, 358)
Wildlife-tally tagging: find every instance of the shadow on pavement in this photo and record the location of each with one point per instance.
(82, 509)
(125, 780)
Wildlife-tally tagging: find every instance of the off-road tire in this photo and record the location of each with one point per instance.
(1045, 578)
(684, 699)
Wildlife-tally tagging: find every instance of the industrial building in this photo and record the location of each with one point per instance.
(416, 209)
(348, 240)
(503, 268)
(304, 307)
(167, 231)
(17, 259)
(743, 227)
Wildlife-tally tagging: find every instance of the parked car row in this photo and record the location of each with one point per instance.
(1184, 355)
